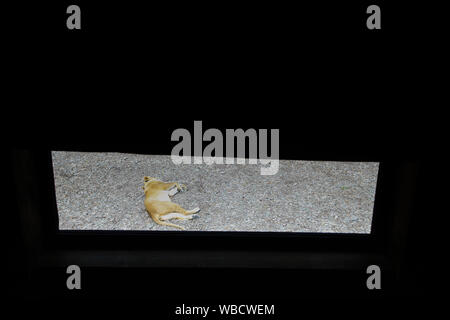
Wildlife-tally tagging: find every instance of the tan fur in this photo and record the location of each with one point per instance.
(158, 202)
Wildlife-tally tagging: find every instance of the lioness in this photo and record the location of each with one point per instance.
(159, 205)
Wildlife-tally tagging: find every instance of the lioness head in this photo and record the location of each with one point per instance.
(148, 180)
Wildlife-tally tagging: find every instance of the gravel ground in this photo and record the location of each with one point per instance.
(103, 191)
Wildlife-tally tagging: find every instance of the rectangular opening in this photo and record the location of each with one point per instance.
(103, 191)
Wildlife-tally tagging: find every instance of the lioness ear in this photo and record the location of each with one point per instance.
(143, 188)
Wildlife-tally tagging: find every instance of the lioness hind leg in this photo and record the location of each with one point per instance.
(173, 207)
(175, 215)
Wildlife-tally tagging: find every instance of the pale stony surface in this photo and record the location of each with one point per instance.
(103, 191)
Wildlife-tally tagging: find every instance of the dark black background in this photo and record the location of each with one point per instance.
(136, 72)
(313, 70)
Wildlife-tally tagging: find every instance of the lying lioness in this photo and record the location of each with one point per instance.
(158, 203)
